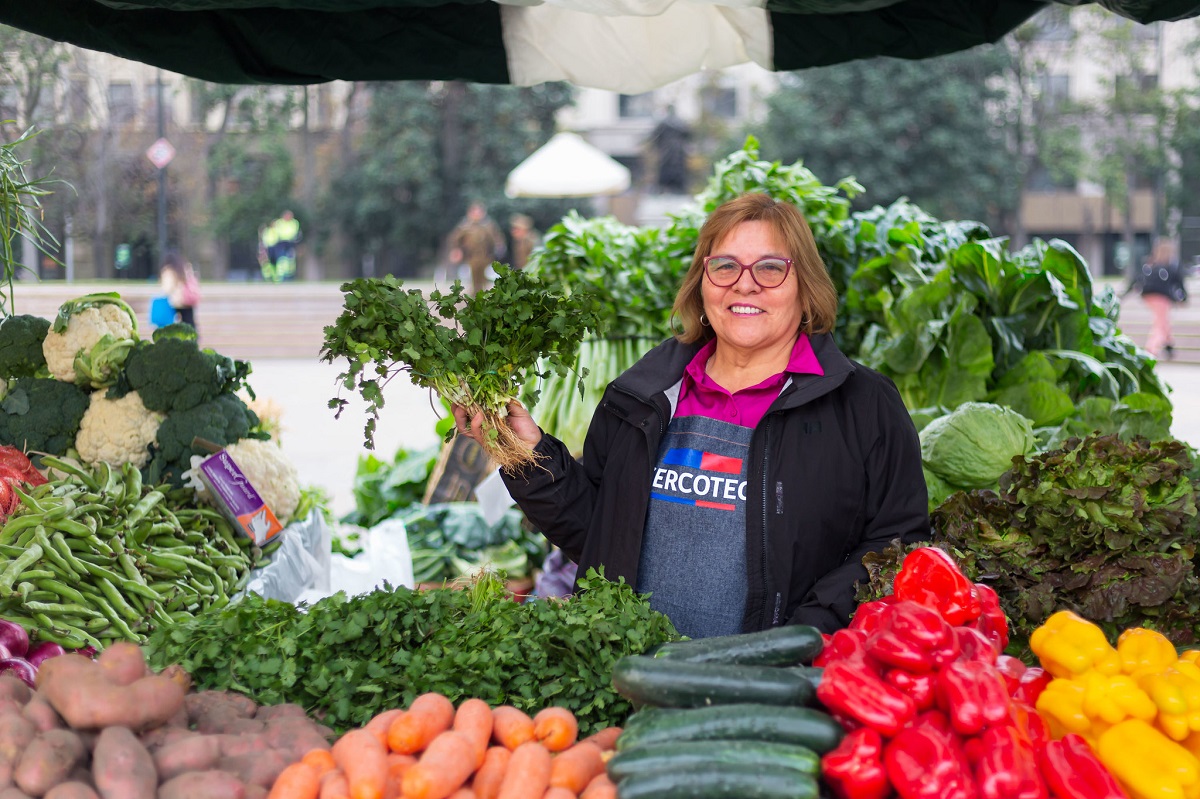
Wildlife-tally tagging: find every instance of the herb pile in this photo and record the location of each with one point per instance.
(1104, 527)
(346, 659)
(495, 341)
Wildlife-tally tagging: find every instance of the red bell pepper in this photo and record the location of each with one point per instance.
(912, 636)
(1007, 768)
(923, 763)
(1011, 669)
(866, 616)
(1073, 771)
(974, 645)
(855, 768)
(851, 688)
(991, 622)
(973, 695)
(1029, 723)
(919, 686)
(1032, 683)
(844, 644)
(930, 577)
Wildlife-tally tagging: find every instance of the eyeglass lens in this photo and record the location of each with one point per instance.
(767, 272)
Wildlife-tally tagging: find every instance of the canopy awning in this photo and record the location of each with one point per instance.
(628, 46)
(567, 166)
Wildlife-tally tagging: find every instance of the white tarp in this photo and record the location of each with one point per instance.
(567, 166)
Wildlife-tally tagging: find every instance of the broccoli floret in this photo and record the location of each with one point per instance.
(175, 330)
(40, 414)
(222, 421)
(21, 340)
(173, 374)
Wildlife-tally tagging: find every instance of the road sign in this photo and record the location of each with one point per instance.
(160, 153)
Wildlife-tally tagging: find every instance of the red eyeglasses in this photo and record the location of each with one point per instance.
(725, 270)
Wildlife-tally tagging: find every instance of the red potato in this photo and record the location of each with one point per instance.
(12, 688)
(123, 662)
(294, 735)
(238, 726)
(16, 732)
(13, 792)
(287, 711)
(47, 761)
(194, 753)
(210, 784)
(121, 767)
(256, 792)
(86, 699)
(199, 703)
(43, 716)
(256, 768)
(72, 790)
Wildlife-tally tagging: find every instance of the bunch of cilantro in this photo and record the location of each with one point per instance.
(474, 350)
(347, 659)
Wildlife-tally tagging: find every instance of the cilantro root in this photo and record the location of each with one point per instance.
(499, 441)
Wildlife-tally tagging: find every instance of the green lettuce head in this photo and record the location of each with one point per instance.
(975, 444)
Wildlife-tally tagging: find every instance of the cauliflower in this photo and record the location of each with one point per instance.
(268, 470)
(90, 339)
(117, 431)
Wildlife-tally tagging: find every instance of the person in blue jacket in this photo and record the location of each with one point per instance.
(739, 471)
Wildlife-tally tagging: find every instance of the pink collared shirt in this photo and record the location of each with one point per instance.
(699, 394)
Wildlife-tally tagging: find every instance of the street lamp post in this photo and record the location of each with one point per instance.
(162, 172)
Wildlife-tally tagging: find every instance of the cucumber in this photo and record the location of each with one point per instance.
(811, 673)
(790, 645)
(679, 756)
(720, 781)
(801, 726)
(679, 683)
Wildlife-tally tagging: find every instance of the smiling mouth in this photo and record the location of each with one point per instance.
(745, 310)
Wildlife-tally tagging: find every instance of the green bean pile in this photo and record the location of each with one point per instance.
(97, 557)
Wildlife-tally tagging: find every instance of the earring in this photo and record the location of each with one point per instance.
(703, 319)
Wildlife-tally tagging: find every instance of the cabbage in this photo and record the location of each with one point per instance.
(974, 444)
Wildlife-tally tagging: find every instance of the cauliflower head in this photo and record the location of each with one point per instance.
(117, 431)
(270, 472)
(89, 344)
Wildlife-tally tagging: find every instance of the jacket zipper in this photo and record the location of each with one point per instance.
(646, 401)
(767, 613)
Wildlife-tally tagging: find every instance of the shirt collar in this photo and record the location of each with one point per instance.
(802, 361)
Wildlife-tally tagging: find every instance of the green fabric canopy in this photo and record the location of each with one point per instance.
(311, 41)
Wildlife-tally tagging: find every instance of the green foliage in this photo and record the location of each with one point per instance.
(452, 539)
(923, 129)
(21, 340)
(345, 659)
(172, 373)
(221, 421)
(256, 180)
(41, 414)
(382, 488)
(495, 342)
(20, 212)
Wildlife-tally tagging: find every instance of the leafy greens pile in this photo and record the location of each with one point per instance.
(1102, 526)
(346, 659)
(498, 340)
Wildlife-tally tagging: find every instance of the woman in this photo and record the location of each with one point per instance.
(739, 472)
(1161, 284)
(179, 283)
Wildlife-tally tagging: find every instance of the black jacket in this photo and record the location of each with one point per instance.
(835, 472)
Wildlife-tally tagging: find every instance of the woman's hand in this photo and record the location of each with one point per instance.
(518, 420)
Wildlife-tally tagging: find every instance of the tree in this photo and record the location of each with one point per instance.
(424, 150)
(921, 129)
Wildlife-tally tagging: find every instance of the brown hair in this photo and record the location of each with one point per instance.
(816, 296)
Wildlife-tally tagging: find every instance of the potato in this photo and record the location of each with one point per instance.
(13, 792)
(288, 710)
(202, 785)
(81, 692)
(72, 790)
(43, 716)
(257, 768)
(225, 704)
(234, 745)
(13, 688)
(257, 792)
(16, 732)
(195, 753)
(295, 736)
(121, 766)
(47, 761)
(123, 662)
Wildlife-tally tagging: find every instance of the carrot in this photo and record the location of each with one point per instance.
(511, 726)
(382, 722)
(297, 781)
(463, 793)
(444, 767)
(427, 716)
(474, 720)
(491, 773)
(335, 786)
(528, 772)
(363, 759)
(398, 765)
(556, 728)
(606, 738)
(559, 793)
(601, 787)
(319, 759)
(575, 768)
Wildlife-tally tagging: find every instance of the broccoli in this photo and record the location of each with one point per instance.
(172, 374)
(40, 414)
(222, 421)
(21, 340)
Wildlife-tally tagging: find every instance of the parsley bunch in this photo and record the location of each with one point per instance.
(473, 350)
(346, 659)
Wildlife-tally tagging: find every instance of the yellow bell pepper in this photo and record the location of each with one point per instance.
(1113, 699)
(1176, 693)
(1069, 645)
(1190, 655)
(1144, 651)
(1149, 764)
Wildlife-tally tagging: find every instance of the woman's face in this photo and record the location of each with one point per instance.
(745, 315)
